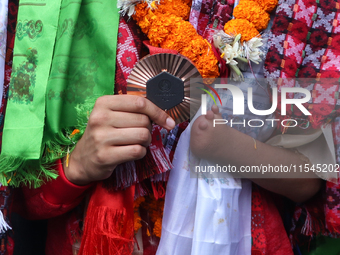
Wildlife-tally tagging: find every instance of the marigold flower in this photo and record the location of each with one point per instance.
(188, 2)
(207, 65)
(267, 5)
(137, 222)
(180, 36)
(137, 219)
(175, 7)
(166, 27)
(157, 229)
(195, 48)
(161, 27)
(141, 10)
(241, 26)
(252, 12)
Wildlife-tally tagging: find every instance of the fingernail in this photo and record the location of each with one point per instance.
(170, 123)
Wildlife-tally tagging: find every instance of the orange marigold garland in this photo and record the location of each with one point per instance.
(252, 12)
(243, 27)
(255, 12)
(155, 210)
(267, 5)
(164, 22)
(137, 219)
(241, 40)
(177, 40)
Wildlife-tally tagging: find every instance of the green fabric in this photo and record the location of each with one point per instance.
(64, 53)
(322, 245)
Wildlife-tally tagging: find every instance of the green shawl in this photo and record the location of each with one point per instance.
(64, 56)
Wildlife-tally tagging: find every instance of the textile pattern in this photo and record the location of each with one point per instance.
(304, 43)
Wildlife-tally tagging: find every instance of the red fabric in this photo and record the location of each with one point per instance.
(156, 50)
(304, 43)
(51, 199)
(57, 242)
(67, 191)
(277, 239)
(109, 222)
(267, 230)
(332, 208)
(129, 45)
(54, 201)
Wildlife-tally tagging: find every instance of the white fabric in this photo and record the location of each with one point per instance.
(316, 144)
(210, 215)
(204, 216)
(3, 38)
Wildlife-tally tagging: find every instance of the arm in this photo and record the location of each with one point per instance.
(225, 145)
(118, 131)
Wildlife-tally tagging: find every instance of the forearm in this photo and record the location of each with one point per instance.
(237, 149)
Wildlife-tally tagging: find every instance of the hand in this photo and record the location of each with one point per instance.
(118, 130)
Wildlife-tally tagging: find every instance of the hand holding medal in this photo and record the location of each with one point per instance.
(165, 78)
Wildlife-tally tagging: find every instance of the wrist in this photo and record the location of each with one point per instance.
(73, 172)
